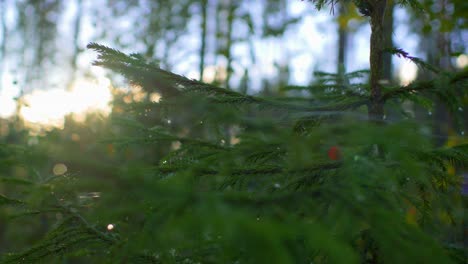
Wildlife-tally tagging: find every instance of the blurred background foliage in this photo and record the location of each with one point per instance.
(92, 184)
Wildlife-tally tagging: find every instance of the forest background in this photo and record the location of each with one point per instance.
(276, 41)
(64, 111)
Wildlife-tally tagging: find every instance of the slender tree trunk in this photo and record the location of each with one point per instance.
(342, 43)
(217, 34)
(3, 29)
(229, 70)
(342, 37)
(442, 119)
(3, 226)
(76, 47)
(388, 41)
(201, 67)
(375, 109)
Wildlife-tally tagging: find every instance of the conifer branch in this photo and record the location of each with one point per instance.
(456, 156)
(459, 79)
(8, 201)
(72, 232)
(257, 170)
(171, 84)
(419, 62)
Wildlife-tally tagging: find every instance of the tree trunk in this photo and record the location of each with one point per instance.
(442, 118)
(342, 44)
(388, 41)
(3, 29)
(342, 39)
(201, 67)
(76, 47)
(229, 70)
(375, 109)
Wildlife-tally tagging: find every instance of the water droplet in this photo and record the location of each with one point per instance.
(59, 169)
(89, 196)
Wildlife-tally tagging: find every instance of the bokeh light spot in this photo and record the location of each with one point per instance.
(408, 73)
(462, 61)
(59, 169)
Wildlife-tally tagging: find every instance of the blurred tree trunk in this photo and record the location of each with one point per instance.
(36, 24)
(3, 30)
(204, 7)
(231, 8)
(387, 73)
(225, 10)
(436, 45)
(76, 44)
(342, 39)
(342, 42)
(442, 117)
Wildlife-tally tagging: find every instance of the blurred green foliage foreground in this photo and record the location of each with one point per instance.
(209, 175)
(339, 174)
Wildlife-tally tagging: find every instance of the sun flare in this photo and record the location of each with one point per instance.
(49, 107)
(408, 72)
